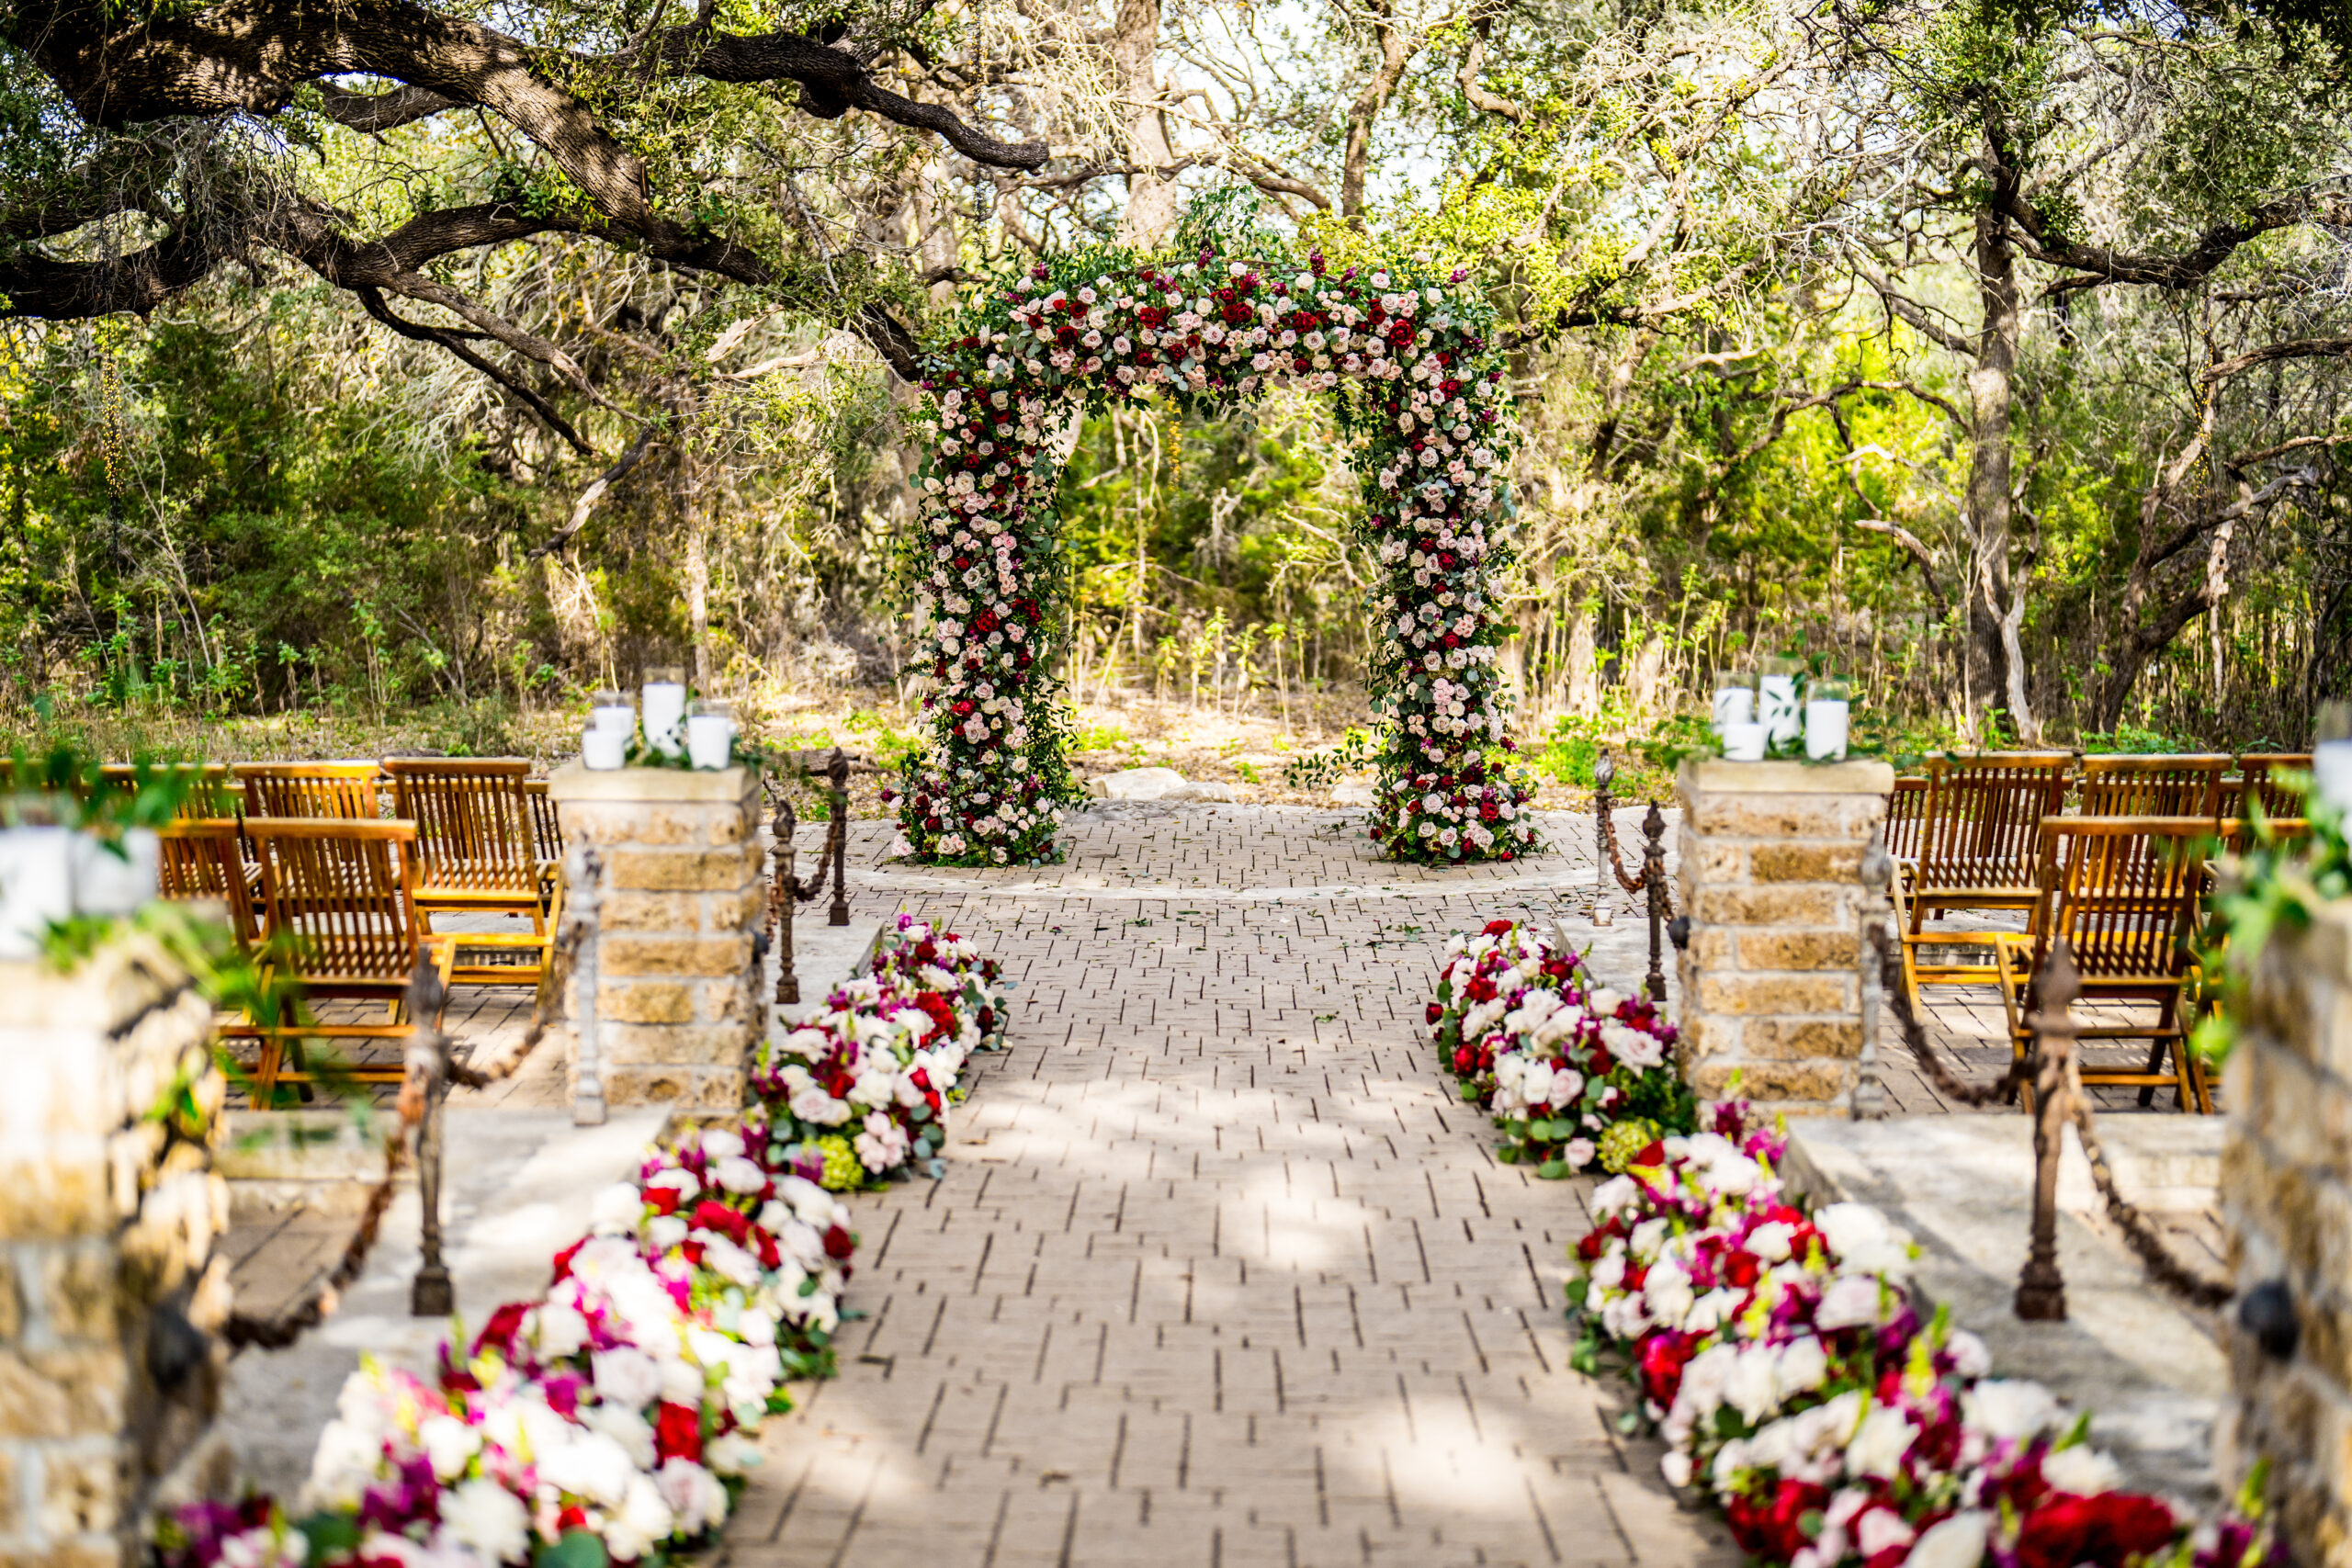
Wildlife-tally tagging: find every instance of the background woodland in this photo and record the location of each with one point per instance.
(1993, 352)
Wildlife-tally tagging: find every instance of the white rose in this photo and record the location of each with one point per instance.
(1850, 1301)
(558, 1330)
(483, 1518)
(1877, 1447)
(2012, 1408)
(450, 1443)
(616, 1210)
(1958, 1542)
(2083, 1470)
(643, 1521)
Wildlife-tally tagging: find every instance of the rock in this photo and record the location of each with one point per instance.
(1352, 792)
(1200, 792)
(1136, 783)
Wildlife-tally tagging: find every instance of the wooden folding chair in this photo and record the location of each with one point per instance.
(478, 854)
(1979, 847)
(201, 862)
(2125, 893)
(349, 790)
(1907, 815)
(339, 901)
(2257, 782)
(546, 834)
(208, 797)
(2153, 786)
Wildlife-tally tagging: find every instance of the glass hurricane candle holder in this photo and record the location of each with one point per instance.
(1827, 709)
(710, 732)
(1776, 700)
(1744, 742)
(604, 749)
(1734, 698)
(611, 710)
(664, 699)
(2332, 755)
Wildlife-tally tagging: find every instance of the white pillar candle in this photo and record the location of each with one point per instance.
(1778, 701)
(1734, 705)
(2332, 774)
(1744, 742)
(665, 709)
(1824, 728)
(605, 750)
(622, 717)
(707, 736)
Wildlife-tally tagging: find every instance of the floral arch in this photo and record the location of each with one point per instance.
(1407, 355)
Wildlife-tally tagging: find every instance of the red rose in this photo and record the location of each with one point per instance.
(1496, 927)
(712, 1216)
(2109, 1530)
(501, 1330)
(677, 1432)
(563, 1261)
(663, 1199)
(1743, 1269)
(839, 1243)
(1772, 1528)
(1434, 1013)
(1661, 1357)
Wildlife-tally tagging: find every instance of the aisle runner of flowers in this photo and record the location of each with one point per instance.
(1571, 1070)
(614, 1419)
(1781, 1353)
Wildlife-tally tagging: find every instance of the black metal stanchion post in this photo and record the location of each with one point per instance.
(839, 772)
(1654, 884)
(783, 900)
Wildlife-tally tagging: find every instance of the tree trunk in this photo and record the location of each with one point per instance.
(1394, 51)
(1151, 200)
(1990, 394)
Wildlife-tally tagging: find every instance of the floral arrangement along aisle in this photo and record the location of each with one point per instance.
(1408, 355)
(613, 1419)
(1572, 1071)
(1782, 1358)
(859, 1092)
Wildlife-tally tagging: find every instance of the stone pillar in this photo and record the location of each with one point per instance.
(678, 1009)
(1770, 879)
(2286, 1195)
(109, 1286)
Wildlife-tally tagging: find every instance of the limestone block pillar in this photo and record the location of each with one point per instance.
(1770, 878)
(2287, 1201)
(109, 1285)
(679, 901)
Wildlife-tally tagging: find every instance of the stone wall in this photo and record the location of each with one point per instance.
(1770, 878)
(678, 1007)
(2286, 1200)
(109, 1285)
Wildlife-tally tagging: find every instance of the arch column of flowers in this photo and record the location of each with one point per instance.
(1407, 356)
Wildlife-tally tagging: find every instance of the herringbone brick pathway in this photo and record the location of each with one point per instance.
(1219, 1273)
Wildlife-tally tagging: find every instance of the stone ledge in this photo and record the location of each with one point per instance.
(2148, 1370)
(724, 787)
(1717, 775)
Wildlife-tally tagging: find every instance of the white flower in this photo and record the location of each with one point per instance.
(1970, 1358)
(625, 1376)
(1880, 1529)
(450, 1443)
(591, 1465)
(1877, 1447)
(1863, 1241)
(1771, 1242)
(722, 1143)
(1958, 1542)
(738, 1175)
(1676, 1468)
(2012, 1408)
(1751, 1389)
(558, 1330)
(485, 1519)
(1802, 1366)
(1849, 1301)
(643, 1521)
(2082, 1470)
(616, 1210)
(693, 1496)
(632, 1431)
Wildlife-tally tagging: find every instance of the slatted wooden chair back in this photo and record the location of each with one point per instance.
(2258, 781)
(1907, 815)
(2124, 893)
(343, 895)
(278, 790)
(208, 795)
(1982, 829)
(2153, 786)
(473, 822)
(547, 828)
(199, 860)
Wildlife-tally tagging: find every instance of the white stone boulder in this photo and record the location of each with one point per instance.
(1136, 783)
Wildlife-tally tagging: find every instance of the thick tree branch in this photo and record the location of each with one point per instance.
(1473, 60)
(2294, 348)
(2100, 266)
(585, 507)
(373, 299)
(380, 111)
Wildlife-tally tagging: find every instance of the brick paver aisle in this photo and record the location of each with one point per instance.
(1219, 1274)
